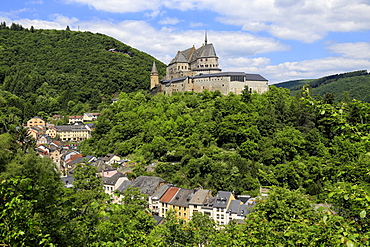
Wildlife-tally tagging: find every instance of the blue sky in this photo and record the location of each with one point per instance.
(279, 39)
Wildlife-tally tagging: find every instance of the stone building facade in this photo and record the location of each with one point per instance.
(195, 70)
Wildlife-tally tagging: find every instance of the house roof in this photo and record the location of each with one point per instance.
(170, 193)
(182, 197)
(161, 190)
(234, 206)
(222, 199)
(244, 210)
(124, 186)
(75, 117)
(69, 128)
(147, 185)
(108, 157)
(209, 202)
(113, 179)
(199, 197)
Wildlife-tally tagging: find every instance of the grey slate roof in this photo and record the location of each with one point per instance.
(182, 197)
(67, 181)
(208, 51)
(147, 185)
(221, 199)
(113, 179)
(154, 68)
(209, 202)
(68, 128)
(244, 210)
(124, 186)
(234, 206)
(161, 190)
(255, 77)
(200, 197)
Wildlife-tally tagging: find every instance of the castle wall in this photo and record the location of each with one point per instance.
(258, 86)
(220, 83)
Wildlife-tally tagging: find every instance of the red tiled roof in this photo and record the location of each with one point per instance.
(170, 193)
(75, 117)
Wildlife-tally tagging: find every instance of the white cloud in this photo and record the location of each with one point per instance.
(233, 48)
(35, 2)
(359, 50)
(303, 20)
(315, 68)
(169, 21)
(196, 24)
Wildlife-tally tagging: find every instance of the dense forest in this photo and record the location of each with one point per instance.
(340, 87)
(67, 72)
(306, 149)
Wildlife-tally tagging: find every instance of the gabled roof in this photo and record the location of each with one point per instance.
(180, 58)
(199, 197)
(147, 185)
(182, 197)
(170, 193)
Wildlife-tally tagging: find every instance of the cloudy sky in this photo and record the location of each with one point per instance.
(279, 39)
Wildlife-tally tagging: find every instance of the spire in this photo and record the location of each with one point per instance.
(205, 38)
(154, 68)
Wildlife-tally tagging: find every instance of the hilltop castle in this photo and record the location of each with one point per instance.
(197, 70)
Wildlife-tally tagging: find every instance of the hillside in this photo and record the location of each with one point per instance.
(56, 70)
(354, 85)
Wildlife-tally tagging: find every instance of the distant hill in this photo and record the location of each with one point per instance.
(67, 70)
(354, 85)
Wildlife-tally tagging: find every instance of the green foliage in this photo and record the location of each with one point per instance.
(51, 70)
(346, 86)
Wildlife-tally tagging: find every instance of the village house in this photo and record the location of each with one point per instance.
(111, 159)
(221, 203)
(36, 121)
(74, 133)
(180, 203)
(197, 201)
(112, 183)
(51, 131)
(90, 117)
(164, 201)
(154, 205)
(75, 119)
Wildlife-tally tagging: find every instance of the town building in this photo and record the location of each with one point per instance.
(72, 132)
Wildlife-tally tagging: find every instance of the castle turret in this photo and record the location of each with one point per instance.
(154, 77)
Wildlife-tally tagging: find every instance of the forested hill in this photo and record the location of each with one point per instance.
(56, 69)
(351, 85)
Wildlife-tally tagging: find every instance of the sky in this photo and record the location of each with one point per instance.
(280, 39)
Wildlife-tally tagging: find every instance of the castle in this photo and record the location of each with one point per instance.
(195, 70)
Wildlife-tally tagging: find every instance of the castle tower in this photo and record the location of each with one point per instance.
(154, 77)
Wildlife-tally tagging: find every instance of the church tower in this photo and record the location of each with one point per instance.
(154, 77)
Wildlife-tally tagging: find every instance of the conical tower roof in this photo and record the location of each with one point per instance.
(154, 68)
